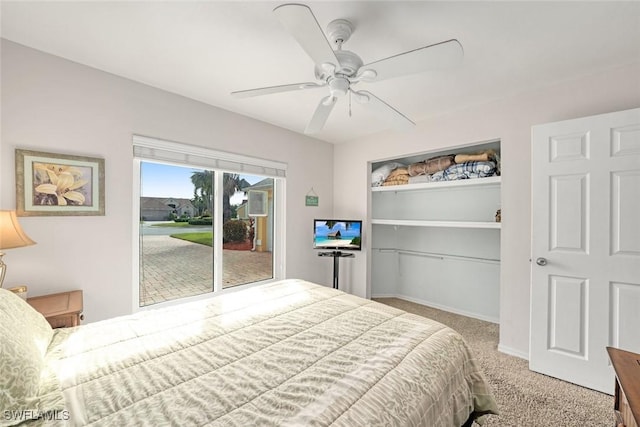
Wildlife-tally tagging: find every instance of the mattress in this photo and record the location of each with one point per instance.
(288, 353)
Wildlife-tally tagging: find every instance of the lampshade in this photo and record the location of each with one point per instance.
(11, 234)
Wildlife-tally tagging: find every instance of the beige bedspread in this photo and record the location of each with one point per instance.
(288, 353)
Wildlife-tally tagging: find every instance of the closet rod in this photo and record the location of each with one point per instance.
(440, 256)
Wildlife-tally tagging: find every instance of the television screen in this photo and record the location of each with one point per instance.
(337, 234)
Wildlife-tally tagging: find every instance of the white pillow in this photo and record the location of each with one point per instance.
(24, 338)
(381, 173)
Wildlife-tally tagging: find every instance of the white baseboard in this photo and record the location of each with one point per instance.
(513, 352)
(440, 307)
(384, 296)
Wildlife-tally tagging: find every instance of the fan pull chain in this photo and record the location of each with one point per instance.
(349, 103)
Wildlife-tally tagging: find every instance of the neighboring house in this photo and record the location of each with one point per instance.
(160, 208)
(263, 224)
(242, 211)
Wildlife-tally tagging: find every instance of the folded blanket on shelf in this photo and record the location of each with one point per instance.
(419, 179)
(484, 156)
(466, 170)
(438, 176)
(430, 166)
(398, 176)
(396, 181)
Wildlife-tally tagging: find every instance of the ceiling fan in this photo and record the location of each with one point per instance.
(340, 70)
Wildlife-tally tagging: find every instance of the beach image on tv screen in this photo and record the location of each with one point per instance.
(337, 234)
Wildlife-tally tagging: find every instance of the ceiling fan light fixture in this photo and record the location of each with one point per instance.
(338, 86)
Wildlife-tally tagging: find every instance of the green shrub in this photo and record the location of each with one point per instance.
(234, 231)
(182, 218)
(201, 221)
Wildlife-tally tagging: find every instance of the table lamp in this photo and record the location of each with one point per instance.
(11, 236)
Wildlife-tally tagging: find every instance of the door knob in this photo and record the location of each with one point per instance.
(541, 261)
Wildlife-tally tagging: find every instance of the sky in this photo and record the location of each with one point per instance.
(159, 180)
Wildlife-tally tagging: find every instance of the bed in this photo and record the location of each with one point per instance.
(287, 353)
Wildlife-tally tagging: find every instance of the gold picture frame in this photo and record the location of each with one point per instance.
(50, 184)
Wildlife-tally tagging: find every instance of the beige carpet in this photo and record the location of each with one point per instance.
(525, 398)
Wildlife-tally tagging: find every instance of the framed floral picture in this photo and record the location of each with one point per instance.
(49, 184)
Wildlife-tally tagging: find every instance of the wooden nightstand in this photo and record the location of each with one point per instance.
(627, 387)
(62, 310)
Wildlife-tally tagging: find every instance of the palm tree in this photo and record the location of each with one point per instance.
(203, 188)
(199, 204)
(230, 185)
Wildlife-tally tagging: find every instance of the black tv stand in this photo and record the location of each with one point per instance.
(336, 267)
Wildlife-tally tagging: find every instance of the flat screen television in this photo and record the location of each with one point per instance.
(337, 234)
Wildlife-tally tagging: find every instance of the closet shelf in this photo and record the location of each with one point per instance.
(446, 224)
(462, 183)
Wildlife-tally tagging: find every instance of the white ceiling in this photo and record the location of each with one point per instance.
(205, 50)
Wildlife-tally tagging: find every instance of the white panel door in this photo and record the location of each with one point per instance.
(585, 279)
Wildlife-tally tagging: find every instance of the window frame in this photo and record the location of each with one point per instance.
(162, 151)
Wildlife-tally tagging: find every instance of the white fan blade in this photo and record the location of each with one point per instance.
(274, 89)
(302, 24)
(384, 110)
(321, 115)
(435, 56)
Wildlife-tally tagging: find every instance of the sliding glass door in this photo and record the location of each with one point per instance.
(176, 232)
(202, 230)
(247, 235)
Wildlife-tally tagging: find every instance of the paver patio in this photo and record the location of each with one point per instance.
(171, 268)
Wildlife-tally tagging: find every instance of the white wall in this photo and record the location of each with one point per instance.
(51, 104)
(510, 120)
